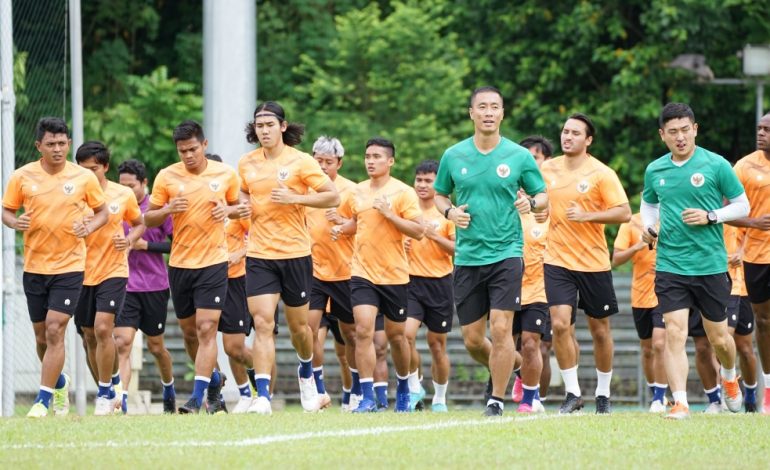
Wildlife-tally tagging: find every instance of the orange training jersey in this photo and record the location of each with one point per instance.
(378, 251)
(533, 281)
(643, 282)
(426, 257)
(237, 231)
(594, 187)
(331, 259)
(199, 240)
(54, 203)
(103, 261)
(753, 171)
(733, 240)
(278, 231)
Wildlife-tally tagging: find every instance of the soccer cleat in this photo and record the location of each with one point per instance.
(242, 406)
(354, 401)
(324, 401)
(104, 406)
(766, 402)
(260, 406)
(537, 406)
(525, 409)
(731, 394)
(679, 411)
(38, 410)
(750, 407)
(493, 410)
(403, 402)
(381, 408)
(488, 390)
(308, 393)
(603, 405)
(438, 408)
(169, 405)
(366, 406)
(191, 407)
(119, 401)
(657, 406)
(216, 407)
(713, 408)
(415, 400)
(572, 403)
(61, 398)
(214, 395)
(517, 393)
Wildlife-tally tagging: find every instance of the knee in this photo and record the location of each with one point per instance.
(364, 334)
(156, 348)
(89, 340)
(436, 346)
(474, 342)
(647, 351)
(561, 327)
(207, 329)
(234, 349)
(263, 326)
(103, 332)
(529, 346)
(720, 341)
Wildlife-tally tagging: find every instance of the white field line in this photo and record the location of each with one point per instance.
(260, 441)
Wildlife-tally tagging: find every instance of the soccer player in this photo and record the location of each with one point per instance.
(381, 212)
(146, 304)
(281, 182)
(104, 285)
(648, 319)
(330, 323)
(331, 264)
(585, 194)
(486, 172)
(196, 193)
(685, 189)
(430, 290)
(753, 171)
(54, 194)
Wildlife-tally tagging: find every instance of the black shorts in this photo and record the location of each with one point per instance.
(695, 324)
(58, 292)
(339, 294)
(708, 293)
(331, 323)
(757, 278)
(235, 316)
(740, 315)
(106, 297)
(204, 288)
(646, 319)
(595, 289)
(431, 302)
(145, 311)
(390, 300)
(548, 334)
(379, 322)
(481, 288)
(533, 318)
(292, 278)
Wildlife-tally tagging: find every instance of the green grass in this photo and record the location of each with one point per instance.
(463, 439)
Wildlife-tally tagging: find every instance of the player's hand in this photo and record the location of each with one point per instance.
(460, 218)
(80, 228)
(641, 245)
(542, 216)
(283, 194)
(735, 260)
(575, 213)
(233, 258)
(695, 216)
(336, 232)
(762, 223)
(139, 244)
(219, 212)
(522, 203)
(649, 236)
(178, 204)
(242, 209)
(430, 231)
(333, 217)
(407, 245)
(23, 222)
(120, 242)
(382, 205)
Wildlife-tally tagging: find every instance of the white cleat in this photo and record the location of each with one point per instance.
(657, 406)
(260, 406)
(713, 409)
(104, 406)
(354, 401)
(243, 405)
(308, 394)
(537, 406)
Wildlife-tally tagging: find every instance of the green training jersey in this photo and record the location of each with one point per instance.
(702, 182)
(489, 185)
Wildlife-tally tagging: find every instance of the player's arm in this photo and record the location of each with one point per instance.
(412, 228)
(614, 215)
(348, 228)
(621, 256)
(236, 256)
(324, 197)
(446, 244)
(455, 214)
(137, 230)
(737, 208)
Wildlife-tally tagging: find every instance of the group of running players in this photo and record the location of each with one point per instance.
(518, 252)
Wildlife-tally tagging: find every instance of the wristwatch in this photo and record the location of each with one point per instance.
(532, 204)
(711, 216)
(446, 211)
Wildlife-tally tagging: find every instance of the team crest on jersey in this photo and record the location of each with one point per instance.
(214, 185)
(503, 170)
(68, 188)
(33, 188)
(759, 178)
(435, 224)
(583, 187)
(536, 232)
(283, 174)
(697, 180)
(114, 207)
(662, 182)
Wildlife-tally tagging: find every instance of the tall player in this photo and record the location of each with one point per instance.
(54, 194)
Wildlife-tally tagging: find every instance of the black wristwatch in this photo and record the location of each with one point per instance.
(446, 211)
(532, 204)
(711, 216)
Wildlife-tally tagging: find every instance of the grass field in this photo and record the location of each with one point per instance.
(459, 439)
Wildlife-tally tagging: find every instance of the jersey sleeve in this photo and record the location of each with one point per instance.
(728, 181)
(159, 196)
(233, 187)
(94, 195)
(612, 190)
(648, 194)
(531, 179)
(312, 175)
(623, 240)
(242, 175)
(408, 206)
(444, 184)
(13, 197)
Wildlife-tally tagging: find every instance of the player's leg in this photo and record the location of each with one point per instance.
(660, 381)
(381, 365)
(758, 286)
(416, 392)
(744, 344)
(365, 357)
(675, 360)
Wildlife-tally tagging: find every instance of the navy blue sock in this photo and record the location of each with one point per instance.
(529, 395)
(356, 389)
(116, 379)
(199, 388)
(751, 394)
(263, 385)
(381, 391)
(104, 390)
(345, 397)
(318, 374)
(658, 393)
(216, 379)
(44, 397)
(244, 390)
(403, 385)
(305, 367)
(168, 390)
(714, 395)
(367, 389)
(61, 382)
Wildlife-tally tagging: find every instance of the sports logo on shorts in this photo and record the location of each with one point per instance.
(536, 232)
(68, 188)
(503, 170)
(697, 180)
(662, 182)
(216, 299)
(114, 207)
(583, 187)
(283, 174)
(214, 185)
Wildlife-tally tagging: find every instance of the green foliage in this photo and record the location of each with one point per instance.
(20, 79)
(142, 126)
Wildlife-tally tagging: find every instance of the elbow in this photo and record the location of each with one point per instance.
(626, 215)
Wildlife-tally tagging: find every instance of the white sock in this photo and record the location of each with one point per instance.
(767, 380)
(571, 384)
(603, 380)
(749, 386)
(439, 393)
(492, 400)
(414, 382)
(681, 397)
(167, 384)
(728, 374)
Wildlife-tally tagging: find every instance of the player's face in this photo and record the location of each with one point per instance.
(54, 148)
(487, 112)
(98, 169)
(269, 131)
(574, 139)
(192, 153)
(378, 161)
(679, 136)
(423, 185)
(330, 164)
(538, 154)
(763, 133)
(130, 181)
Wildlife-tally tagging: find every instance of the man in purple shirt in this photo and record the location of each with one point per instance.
(147, 292)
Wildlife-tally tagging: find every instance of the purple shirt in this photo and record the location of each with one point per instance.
(147, 270)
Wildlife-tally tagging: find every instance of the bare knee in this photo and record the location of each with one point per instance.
(156, 347)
